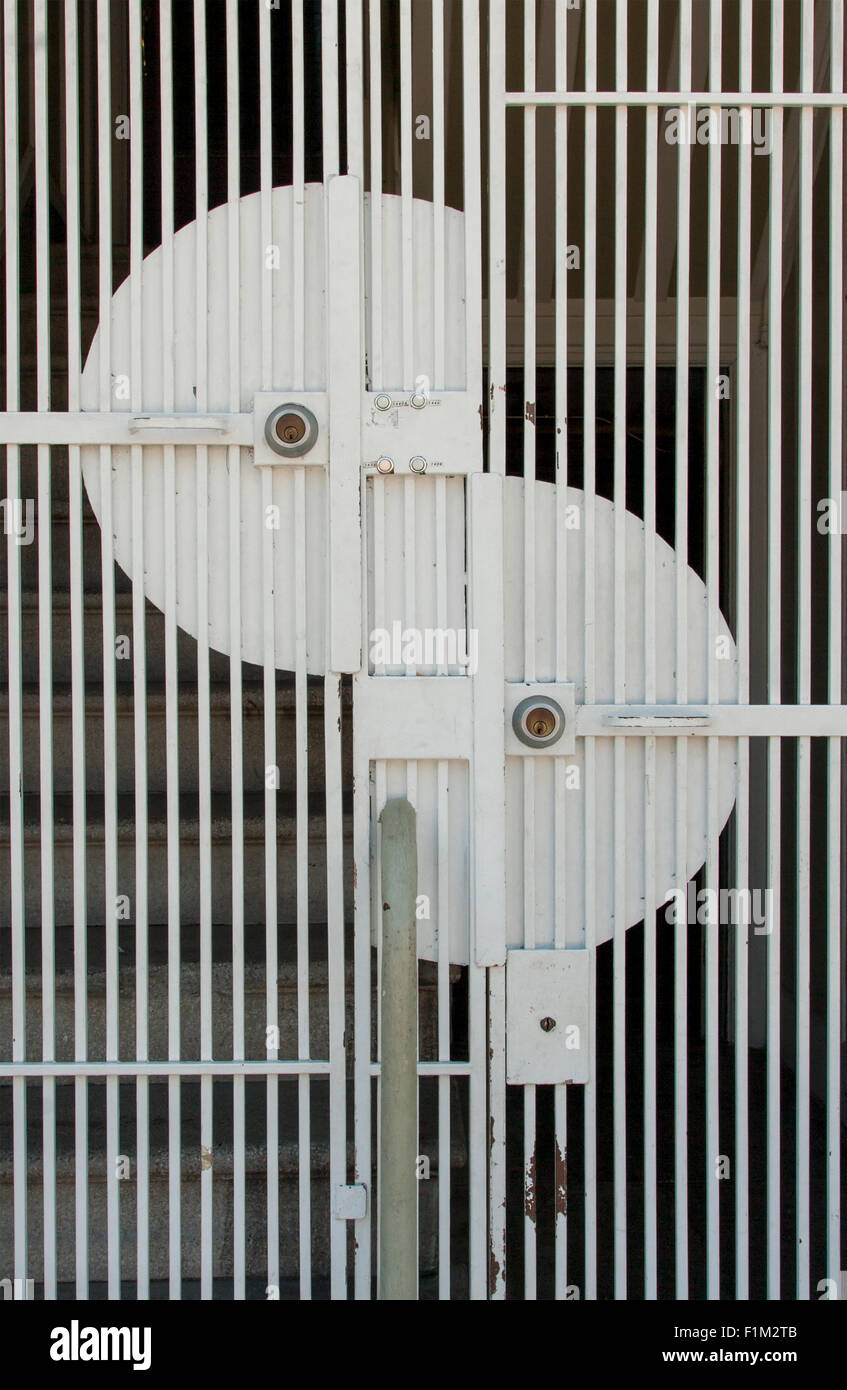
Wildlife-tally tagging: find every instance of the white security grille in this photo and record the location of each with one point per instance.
(562, 286)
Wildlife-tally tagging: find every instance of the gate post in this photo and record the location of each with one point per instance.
(398, 1092)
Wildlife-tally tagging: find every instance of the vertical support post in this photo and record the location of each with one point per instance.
(398, 1216)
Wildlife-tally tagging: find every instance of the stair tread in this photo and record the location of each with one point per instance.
(189, 813)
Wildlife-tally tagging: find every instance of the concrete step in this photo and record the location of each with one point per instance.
(187, 835)
(92, 607)
(59, 537)
(252, 730)
(218, 1159)
(188, 977)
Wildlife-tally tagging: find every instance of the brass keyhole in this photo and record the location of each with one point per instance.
(290, 428)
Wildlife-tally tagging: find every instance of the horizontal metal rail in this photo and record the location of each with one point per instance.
(723, 721)
(670, 98)
(206, 1068)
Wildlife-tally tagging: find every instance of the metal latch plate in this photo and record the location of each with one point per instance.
(547, 1034)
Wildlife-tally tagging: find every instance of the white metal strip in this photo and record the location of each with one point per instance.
(650, 623)
(13, 487)
(344, 384)
(742, 590)
(335, 956)
(45, 652)
(497, 236)
(619, 493)
(835, 605)
(203, 692)
(589, 411)
(239, 1232)
(488, 832)
(269, 700)
(107, 584)
(80, 915)
(775, 224)
(683, 261)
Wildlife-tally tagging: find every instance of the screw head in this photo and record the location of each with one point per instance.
(547, 1024)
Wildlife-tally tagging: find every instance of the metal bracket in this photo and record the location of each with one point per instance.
(264, 402)
(548, 1037)
(418, 432)
(350, 1202)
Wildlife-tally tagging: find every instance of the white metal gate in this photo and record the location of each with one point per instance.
(440, 240)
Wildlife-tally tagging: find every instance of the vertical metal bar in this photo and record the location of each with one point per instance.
(444, 1051)
(742, 589)
(269, 701)
(407, 241)
(713, 289)
(560, 1119)
(589, 411)
(774, 1206)
(835, 608)
(80, 912)
(139, 669)
(354, 68)
(497, 236)
(472, 192)
(650, 960)
(107, 580)
(171, 676)
(13, 555)
(329, 88)
(335, 947)
(235, 671)
(497, 1170)
(530, 393)
(619, 492)
(301, 711)
(45, 652)
(204, 780)
(683, 261)
(804, 651)
(301, 734)
(438, 175)
(375, 114)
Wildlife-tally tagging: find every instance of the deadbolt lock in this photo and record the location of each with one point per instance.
(539, 717)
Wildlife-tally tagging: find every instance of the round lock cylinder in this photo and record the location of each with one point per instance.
(417, 464)
(539, 721)
(383, 402)
(291, 430)
(418, 400)
(385, 465)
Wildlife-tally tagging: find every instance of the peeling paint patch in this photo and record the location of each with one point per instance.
(529, 1194)
(530, 412)
(561, 1182)
(493, 1270)
(205, 1157)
